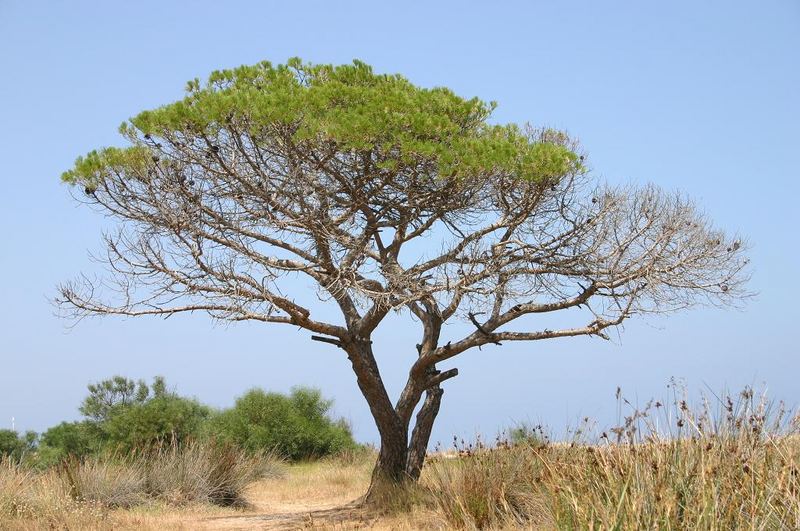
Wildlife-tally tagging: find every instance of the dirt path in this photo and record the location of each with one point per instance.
(317, 496)
(316, 516)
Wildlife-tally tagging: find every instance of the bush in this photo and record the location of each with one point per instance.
(108, 482)
(14, 446)
(174, 474)
(296, 426)
(205, 473)
(160, 420)
(526, 434)
(79, 493)
(75, 439)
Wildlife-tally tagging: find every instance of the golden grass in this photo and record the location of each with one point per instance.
(674, 485)
(667, 468)
(657, 470)
(129, 491)
(689, 484)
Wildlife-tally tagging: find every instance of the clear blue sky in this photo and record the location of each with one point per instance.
(703, 97)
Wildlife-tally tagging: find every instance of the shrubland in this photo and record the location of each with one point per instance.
(123, 416)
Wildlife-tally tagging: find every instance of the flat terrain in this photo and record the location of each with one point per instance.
(741, 480)
(309, 496)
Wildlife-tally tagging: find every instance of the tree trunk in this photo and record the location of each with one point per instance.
(422, 432)
(390, 469)
(400, 462)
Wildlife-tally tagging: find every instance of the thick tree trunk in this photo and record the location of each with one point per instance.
(390, 468)
(399, 461)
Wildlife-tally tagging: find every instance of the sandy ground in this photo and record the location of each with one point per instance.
(310, 496)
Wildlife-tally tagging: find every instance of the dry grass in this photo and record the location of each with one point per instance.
(665, 469)
(35, 500)
(92, 493)
(659, 469)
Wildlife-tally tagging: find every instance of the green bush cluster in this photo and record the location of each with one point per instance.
(296, 426)
(124, 416)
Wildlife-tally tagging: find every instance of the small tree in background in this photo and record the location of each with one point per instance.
(132, 415)
(388, 197)
(114, 395)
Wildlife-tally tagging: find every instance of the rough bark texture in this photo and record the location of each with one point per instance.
(422, 432)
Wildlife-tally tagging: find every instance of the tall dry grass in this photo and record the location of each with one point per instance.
(34, 500)
(81, 492)
(662, 468)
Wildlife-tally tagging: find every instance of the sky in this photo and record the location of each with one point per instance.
(700, 97)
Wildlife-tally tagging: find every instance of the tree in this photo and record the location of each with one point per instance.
(387, 197)
(113, 395)
(130, 414)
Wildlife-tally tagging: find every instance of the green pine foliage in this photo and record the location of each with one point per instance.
(129, 415)
(348, 107)
(160, 420)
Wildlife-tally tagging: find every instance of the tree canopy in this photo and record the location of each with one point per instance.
(348, 105)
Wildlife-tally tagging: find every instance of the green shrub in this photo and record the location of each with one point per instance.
(14, 446)
(124, 414)
(162, 419)
(524, 433)
(296, 426)
(72, 438)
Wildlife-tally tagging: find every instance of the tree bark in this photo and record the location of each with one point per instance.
(422, 432)
(390, 468)
(399, 460)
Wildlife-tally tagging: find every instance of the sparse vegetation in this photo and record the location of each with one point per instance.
(662, 468)
(731, 466)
